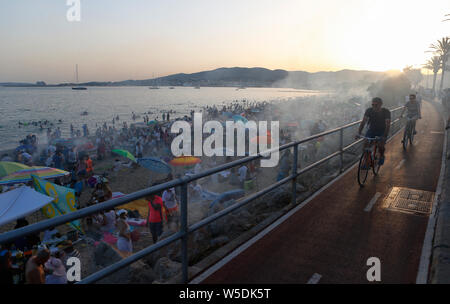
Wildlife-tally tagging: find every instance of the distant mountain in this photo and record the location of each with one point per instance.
(15, 84)
(249, 77)
(260, 77)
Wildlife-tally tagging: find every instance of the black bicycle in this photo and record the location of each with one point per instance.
(408, 135)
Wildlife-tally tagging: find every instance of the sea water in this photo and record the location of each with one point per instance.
(30, 104)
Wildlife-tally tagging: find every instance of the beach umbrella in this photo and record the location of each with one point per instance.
(124, 153)
(185, 161)
(154, 164)
(62, 141)
(24, 176)
(152, 122)
(258, 139)
(240, 118)
(21, 202)
(7, 168)
(117, 195)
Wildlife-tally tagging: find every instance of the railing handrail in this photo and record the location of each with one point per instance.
(183, 181)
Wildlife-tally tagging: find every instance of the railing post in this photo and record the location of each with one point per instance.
(341, 149)
(294, 172)
(184, 229)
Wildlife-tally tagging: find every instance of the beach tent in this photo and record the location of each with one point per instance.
(20, 202)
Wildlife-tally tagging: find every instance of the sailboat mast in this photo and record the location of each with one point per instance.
(76, 71)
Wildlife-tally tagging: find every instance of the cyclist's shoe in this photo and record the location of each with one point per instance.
(415, 132)
(381, 161)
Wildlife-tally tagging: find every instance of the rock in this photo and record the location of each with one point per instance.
(105, 255)
(177, 279)
(141, 273)
(301, 188)
(219, 241)
(166, 268)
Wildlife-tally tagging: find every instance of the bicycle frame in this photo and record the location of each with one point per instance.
(368, 160)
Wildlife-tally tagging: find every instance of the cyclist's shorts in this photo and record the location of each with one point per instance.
(374, 133)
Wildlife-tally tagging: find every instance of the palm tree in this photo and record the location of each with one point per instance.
(442, 49)
(434, 64)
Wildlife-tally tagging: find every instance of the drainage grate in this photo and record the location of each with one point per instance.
(409, 201)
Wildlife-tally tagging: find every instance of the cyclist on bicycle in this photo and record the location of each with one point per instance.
(413, 110)
(379, 120)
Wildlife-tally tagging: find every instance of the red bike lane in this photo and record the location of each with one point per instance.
(330, 239)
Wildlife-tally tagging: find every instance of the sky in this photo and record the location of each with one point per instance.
(141, 39)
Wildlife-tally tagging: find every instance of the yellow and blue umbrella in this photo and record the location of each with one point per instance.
(24, 176)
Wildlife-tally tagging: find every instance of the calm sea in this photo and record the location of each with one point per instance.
(103, 103)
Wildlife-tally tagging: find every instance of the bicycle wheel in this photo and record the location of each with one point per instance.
(406, 137)
(411, 136)
(364, 161)
(376, 166)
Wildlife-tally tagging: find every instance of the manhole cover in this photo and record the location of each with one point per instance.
(409, 201)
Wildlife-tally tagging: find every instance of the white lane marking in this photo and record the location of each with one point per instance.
(436, 132)
(314, 279)
(422, 274)
(209, 271)
(372, 202)
(400, 164)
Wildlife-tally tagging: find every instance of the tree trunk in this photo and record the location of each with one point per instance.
(434, 84)
(444, 64)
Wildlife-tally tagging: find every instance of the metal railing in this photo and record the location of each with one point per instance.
(184, 231)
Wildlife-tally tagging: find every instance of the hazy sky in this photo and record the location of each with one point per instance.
(134, 39)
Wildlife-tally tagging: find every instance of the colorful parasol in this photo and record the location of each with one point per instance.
(240, 118)
(154, 164)
(124, 153)
(7, 168)
(24, 176)
(185, 161)
(261, 139)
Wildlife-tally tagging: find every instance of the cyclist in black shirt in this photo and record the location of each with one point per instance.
(379, 120)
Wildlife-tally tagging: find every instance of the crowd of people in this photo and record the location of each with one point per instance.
(78, 154)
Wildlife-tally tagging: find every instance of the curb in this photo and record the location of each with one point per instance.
(440, 251)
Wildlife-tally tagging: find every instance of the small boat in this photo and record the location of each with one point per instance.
(171, 88)
(197, 87)
(78, 87)
(84, 113)
(153, 88)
